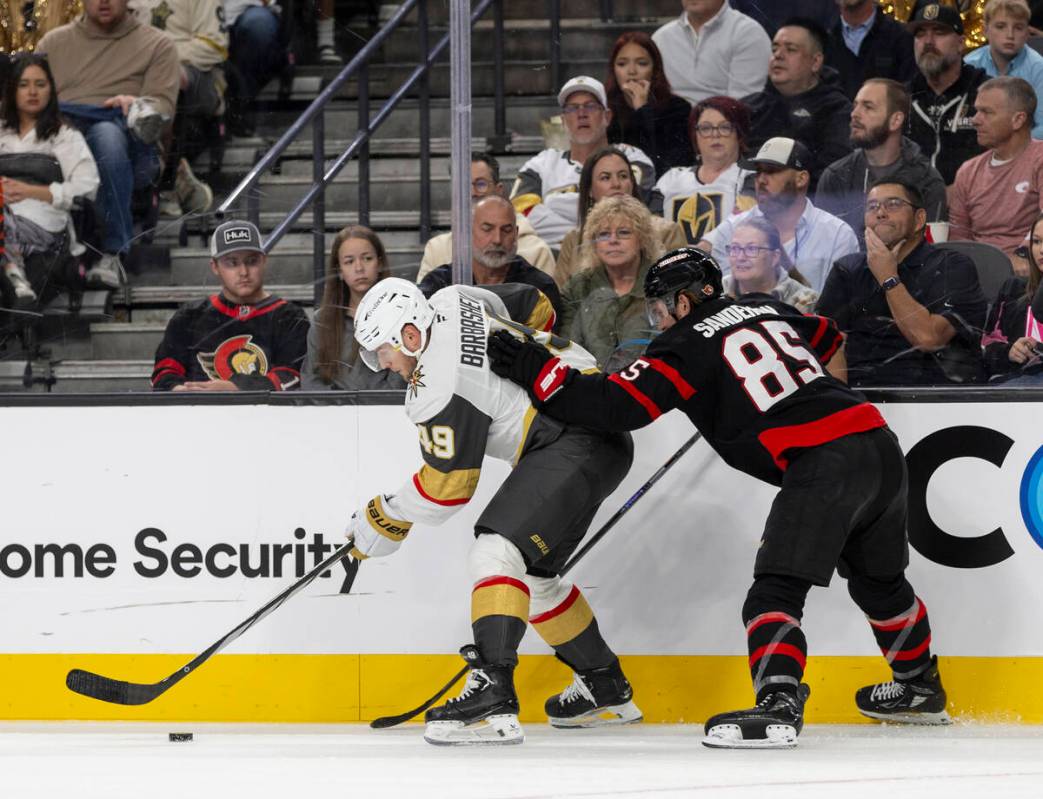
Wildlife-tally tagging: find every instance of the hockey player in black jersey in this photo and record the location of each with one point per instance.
(750, 375)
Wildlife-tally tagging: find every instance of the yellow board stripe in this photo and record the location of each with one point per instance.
(500, 596)
(565, 622)
(294, 688)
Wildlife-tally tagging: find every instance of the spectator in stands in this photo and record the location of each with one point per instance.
(700, 196)
(240, 339)
(485, 180)
(760, 266)
(605, 300)
(256, 54)
(117, 82)
(771, 15)
(545, 190)
(911, 312)
(997, 194)
(713, 49)
(645, 112)
(197, 29)
(802, 99)
(326, 49)
(45, 165)
(494, 256)
(358, 260)
(607, 173)
(811, 238)
(1007, 29)
(1013, 340)
(879, 115)
(867, 43)
(943, 90)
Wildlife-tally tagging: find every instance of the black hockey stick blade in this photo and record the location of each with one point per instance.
(121, 692)
(393, 721)
(384, 722)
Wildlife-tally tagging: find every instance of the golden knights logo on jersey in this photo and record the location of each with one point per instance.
(698, 214)
(416, 381)
(234, 356)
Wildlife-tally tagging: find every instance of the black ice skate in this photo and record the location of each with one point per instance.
(920, 700)
(774, 723)
(485, 712)
(596, 698)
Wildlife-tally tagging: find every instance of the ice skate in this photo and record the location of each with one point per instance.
(774, 723)
(596, 698)
(917, 701)
(485, 712)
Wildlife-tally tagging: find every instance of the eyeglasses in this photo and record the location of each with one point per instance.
(889, 204)
(589, 108)
(481, 185)
(621, 234)
(749, 250)
(706, 131)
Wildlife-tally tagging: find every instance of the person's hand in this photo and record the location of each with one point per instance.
(636, 92)
(1023, 350)
(207, 385)
(883, 260)
(371, 533)
(122, 101)
(528, 364)
(16, 191)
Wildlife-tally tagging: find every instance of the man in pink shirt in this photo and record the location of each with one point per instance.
(996, 195)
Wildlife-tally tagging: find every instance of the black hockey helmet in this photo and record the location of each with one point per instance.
(684, 269)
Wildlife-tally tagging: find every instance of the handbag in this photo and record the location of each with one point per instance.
(36, 169)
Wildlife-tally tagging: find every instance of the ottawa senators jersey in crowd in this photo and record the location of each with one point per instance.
(462, 411)
(258, 347)
(749, 375)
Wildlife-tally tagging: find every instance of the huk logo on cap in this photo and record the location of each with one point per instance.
(237, 235)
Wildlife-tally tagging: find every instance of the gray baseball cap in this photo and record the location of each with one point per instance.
(234, 236)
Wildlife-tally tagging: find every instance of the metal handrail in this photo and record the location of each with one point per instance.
(359, 144)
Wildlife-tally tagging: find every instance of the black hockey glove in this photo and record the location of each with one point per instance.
(528, 364)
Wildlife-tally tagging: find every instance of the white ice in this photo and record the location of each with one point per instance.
(113, 761)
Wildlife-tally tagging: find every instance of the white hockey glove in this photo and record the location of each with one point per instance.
(373, 533)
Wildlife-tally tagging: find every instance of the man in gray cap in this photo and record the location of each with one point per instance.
(546, 190)
(241, 339)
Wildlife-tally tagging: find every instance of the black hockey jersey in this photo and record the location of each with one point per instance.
(748, 374)
(257, 347)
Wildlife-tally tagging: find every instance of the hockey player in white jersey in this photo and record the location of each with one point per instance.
(524, 536)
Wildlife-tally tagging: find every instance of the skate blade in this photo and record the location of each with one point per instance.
(628, 713)
(923, 719)
(499, 730)
(729, 736)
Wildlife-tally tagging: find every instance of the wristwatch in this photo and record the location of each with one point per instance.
(890, 283)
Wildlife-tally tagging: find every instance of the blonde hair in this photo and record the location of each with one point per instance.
(628, 209)
(1018, 9)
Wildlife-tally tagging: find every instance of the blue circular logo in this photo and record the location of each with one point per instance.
(1031, 496)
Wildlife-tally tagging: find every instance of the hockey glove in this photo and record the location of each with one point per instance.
(528, 364)
(372, 533)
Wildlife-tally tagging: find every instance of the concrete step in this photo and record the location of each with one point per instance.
(122, 341)
(95, 376)
(570, 9)
(381, 168)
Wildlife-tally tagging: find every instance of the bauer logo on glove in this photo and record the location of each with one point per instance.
(373, 532)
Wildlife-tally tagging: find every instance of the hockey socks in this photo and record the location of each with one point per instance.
(571, 629)
(499, 610)
(778, 652)
(905, 641)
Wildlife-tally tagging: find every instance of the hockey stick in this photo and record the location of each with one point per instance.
(131, 693)
(385, 722)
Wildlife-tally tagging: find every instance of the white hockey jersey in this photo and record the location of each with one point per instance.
(462, 410)
(547, 189)
(700, 207)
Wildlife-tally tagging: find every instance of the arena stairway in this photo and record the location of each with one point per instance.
(110, 343)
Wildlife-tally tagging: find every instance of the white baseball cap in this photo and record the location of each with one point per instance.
(583, 83)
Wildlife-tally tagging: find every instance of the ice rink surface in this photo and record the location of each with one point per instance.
(87, 760)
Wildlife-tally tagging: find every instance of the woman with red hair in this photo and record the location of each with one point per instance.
(645, 112)
(700, 195)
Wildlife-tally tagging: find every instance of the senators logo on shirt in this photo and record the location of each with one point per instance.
(235, 356)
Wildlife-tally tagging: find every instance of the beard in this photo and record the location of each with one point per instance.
(776, 203)
(495, 257)
(869, 138)
(933, 63)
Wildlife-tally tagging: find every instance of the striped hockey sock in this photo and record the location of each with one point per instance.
(499, 609)
(570, 627)
(778, 651)
(905, 641)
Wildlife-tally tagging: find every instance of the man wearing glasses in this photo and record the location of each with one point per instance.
(241, 339)
(547, 187)
(912, 312)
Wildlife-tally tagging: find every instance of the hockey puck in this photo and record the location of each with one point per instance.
(180, 736)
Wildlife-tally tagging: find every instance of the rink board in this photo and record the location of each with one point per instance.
(154, 514)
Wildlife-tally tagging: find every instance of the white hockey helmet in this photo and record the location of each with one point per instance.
(389, 306)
